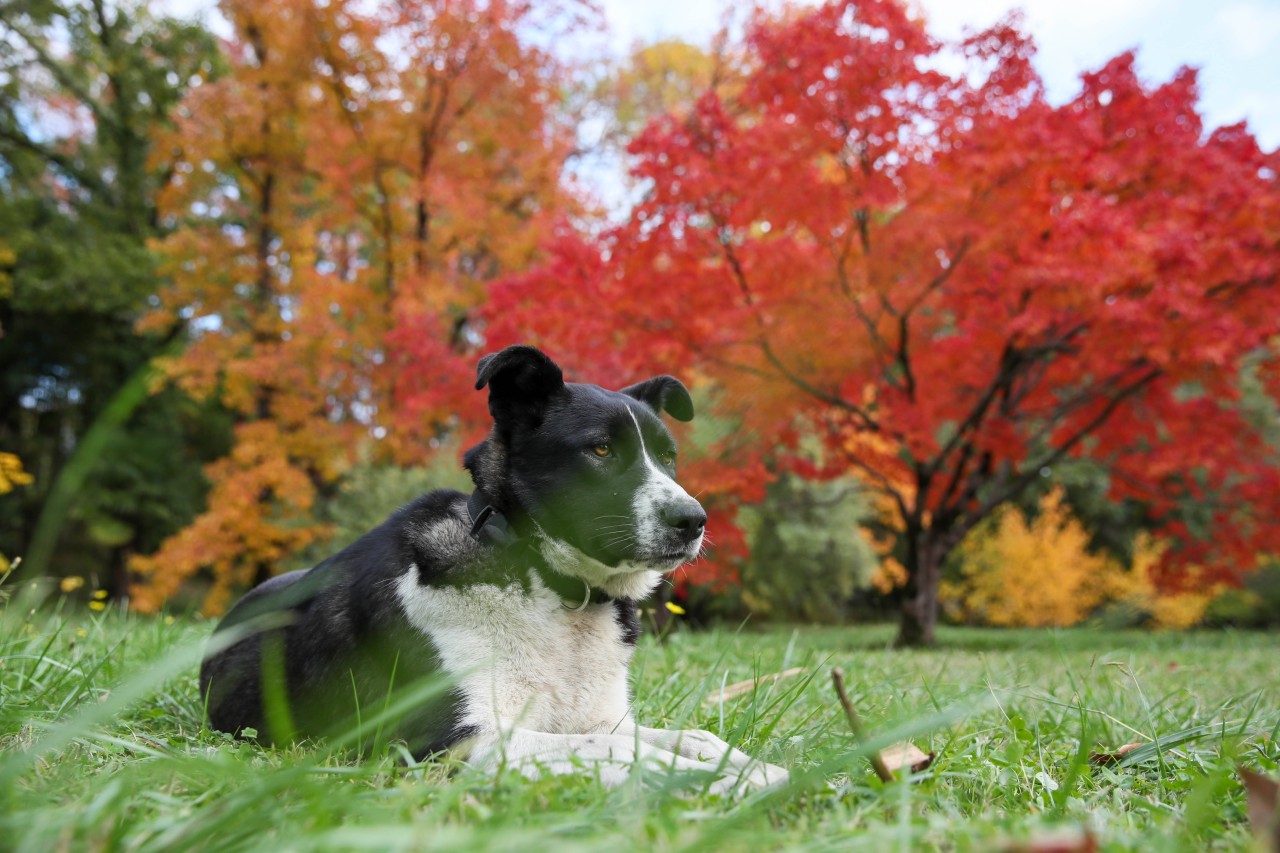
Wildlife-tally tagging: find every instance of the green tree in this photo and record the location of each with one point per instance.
(84, 86)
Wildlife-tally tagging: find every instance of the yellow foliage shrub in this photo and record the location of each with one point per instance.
(1137, 589)
(1038, 574)
(1042, 574)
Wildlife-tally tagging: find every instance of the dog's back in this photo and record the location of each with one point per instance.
(344, 648)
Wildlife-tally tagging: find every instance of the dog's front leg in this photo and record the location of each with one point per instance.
(613, 756)
(703, 746)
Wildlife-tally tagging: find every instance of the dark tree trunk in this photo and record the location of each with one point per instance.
(920, 607)
(120, 579)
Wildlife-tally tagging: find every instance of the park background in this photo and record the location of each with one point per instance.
(979, 312)
(966, 342)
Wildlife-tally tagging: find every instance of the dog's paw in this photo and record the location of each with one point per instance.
(761, 775)
(701, 745)
(735, 785)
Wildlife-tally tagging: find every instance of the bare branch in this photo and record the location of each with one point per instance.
(1032, 470)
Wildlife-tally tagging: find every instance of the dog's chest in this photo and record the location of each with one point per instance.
(522, 659)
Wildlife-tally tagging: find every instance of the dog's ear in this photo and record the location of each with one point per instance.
(520, 378)
(663, 394)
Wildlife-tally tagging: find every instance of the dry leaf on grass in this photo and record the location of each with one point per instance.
(1112, 757)
(1058, 842)
(1262, 798)
(732, 691)
(907, 755)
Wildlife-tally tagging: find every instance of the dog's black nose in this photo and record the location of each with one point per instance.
(688, 518)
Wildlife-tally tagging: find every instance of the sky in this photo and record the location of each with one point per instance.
(1234, 43)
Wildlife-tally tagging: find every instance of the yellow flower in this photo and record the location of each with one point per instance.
(675, 608)
(81, 633)
(99, 594)
(70, 584)
(97, 605)
(168, 620)
(11, 473)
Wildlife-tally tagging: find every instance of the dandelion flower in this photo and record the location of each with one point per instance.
(675, 608)
(70, 584)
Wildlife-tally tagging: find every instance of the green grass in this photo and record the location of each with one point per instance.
(102, 748)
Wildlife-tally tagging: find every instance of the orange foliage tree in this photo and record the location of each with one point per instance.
(342, 197)
(954, 283)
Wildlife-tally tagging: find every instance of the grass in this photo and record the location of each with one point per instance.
(102, 748)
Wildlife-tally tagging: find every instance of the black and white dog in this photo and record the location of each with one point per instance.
(523, 592)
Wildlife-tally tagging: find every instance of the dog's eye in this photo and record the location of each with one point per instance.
(668, 458)
(602, 450)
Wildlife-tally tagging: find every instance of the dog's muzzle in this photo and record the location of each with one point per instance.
(686, 519)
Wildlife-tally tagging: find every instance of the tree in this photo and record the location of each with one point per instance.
(953, 283)
(344, 194)
(84, 87)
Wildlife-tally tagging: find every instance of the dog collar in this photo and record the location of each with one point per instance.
(491, 527)
(487, 524)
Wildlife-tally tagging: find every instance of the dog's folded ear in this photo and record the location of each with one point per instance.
(520, 379)
(663, 394)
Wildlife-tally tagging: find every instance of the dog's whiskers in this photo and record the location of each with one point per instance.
(608, 527)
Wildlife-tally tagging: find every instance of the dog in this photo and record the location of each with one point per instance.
(524, 594)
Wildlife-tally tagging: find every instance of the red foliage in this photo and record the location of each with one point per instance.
(954, 282)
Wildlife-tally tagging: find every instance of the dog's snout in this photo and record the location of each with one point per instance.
(687, 517)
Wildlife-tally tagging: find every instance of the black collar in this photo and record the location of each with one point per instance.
(487, 524)
(491, 527)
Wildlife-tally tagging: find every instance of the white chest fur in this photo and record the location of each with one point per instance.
(521, 659)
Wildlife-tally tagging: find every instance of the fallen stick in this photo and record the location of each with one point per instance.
(738, 688)
(855, 723)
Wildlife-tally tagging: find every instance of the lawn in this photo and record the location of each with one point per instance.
(103, 748)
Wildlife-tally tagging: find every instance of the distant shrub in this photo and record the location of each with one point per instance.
(1254, 605)
(1015, 573)
(1136, 593)
(1041, 572)
(808, 555)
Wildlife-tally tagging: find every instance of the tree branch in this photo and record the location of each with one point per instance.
(763, 342)
(1032, 471)
(51, 64)
(66, 164)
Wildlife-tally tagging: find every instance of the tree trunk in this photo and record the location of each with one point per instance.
(120, 579)
(920, 607)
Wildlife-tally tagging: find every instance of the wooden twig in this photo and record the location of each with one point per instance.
(739, 688)
(855, 723)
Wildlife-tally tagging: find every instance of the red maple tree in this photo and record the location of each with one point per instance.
(952, 282)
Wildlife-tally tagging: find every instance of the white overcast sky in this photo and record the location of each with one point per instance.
(1234, 43)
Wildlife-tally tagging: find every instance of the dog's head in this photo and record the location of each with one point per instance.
(592, 470)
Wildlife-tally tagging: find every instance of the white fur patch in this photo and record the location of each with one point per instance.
(657, 490)
(521, 659)
(626, 580)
